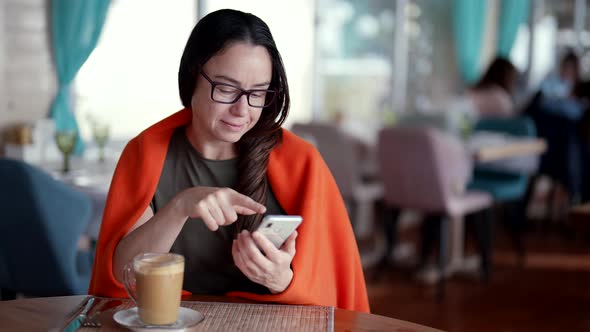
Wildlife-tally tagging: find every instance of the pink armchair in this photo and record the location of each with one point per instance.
(427, 170)
(341, 152)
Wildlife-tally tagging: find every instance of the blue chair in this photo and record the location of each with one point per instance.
(41, 222)
(506, 186)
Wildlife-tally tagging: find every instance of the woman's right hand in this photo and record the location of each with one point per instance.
(216, 206)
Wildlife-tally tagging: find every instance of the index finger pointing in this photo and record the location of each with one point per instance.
(244, 201)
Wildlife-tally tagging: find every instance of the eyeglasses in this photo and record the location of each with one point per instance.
(228, 94)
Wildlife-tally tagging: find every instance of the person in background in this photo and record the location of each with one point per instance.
(562, 83)
(493, 95)
(559, 90)
(558, 110)
(199, 182)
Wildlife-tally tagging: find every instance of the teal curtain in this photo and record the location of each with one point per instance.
(468, 26)
(512, 14)
(75, 28)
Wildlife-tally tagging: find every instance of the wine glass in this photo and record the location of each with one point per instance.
(66, 141)
(100, 132)
(465, 126)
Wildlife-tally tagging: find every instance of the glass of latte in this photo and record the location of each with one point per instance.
(154, 283)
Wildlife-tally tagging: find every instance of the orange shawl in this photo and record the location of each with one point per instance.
(327, 268)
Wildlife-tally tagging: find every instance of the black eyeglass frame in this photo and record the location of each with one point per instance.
(268, 100)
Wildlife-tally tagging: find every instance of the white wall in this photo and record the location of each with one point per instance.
(27, 79)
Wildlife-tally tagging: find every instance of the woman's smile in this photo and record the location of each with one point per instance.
(233, 126)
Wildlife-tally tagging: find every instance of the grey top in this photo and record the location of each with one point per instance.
(209, 265)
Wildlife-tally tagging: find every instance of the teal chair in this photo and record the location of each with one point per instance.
(509, 187)
(41, 222)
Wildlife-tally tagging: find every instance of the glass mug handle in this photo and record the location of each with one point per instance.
(129, 281)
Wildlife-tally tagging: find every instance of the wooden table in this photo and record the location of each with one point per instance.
(509, 147)
(486, 147)
(52, 313)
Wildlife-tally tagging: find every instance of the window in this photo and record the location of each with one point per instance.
(130, 80)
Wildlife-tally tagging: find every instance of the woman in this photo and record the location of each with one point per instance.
(562, 84)
(562, 93)
(492, 95)
(198, 183)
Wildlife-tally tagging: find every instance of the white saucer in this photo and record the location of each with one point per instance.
(129, 318)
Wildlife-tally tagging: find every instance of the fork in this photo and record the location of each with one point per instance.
(91, 321)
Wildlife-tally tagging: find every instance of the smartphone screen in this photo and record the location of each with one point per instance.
(277, 228)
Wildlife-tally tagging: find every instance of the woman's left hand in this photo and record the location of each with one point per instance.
(271, 267)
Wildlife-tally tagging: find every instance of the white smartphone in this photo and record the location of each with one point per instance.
(277, 228)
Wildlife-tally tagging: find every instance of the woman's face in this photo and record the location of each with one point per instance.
(242, 65)
(569, 72)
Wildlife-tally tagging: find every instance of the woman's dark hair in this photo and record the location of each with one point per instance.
(212, 34)
(502, 73)
(570, 58)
